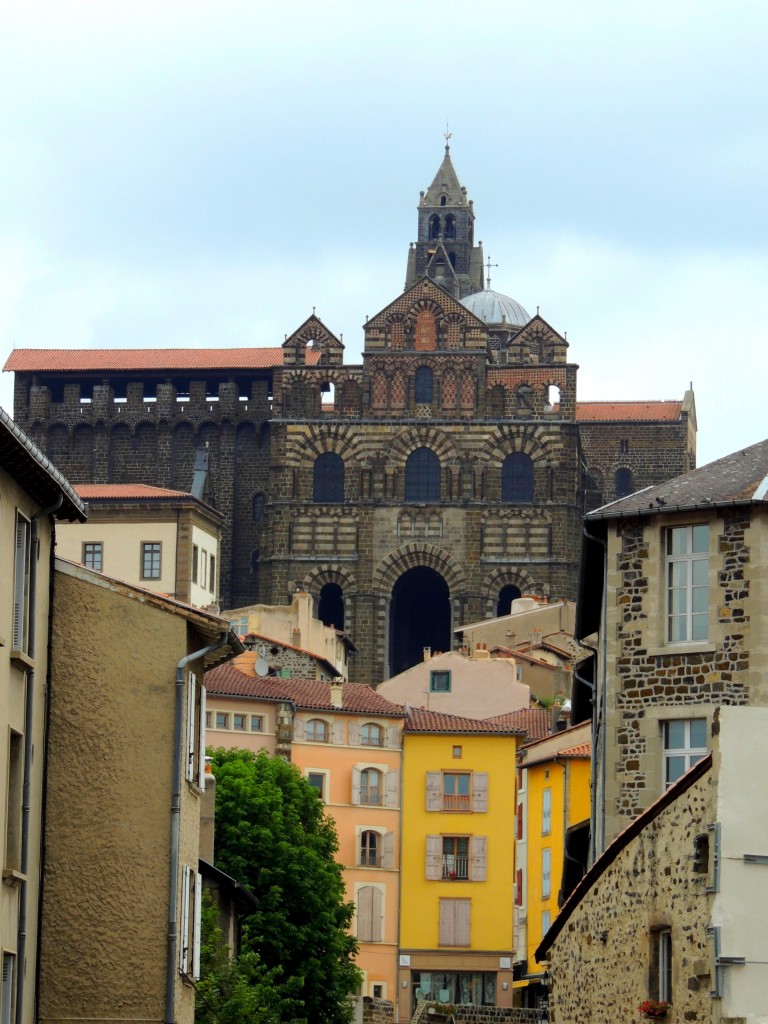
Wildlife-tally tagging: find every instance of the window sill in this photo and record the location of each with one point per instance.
(22, 661)
(13, 877)
(698, 647)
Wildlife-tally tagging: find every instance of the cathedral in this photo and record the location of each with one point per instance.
(424, 488)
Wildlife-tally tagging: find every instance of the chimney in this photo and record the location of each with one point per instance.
(336, 695)
(427, 653)
(536, 638)
(296, 637)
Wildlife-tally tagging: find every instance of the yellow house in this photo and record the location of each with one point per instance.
(457, 877)
(346, 740)
(552, 816)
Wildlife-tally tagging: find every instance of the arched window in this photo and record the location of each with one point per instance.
(370, 855)
(422, 476)
(370, 786)
(372, 735)
(317, 731)
(506, 596)
(517, 478)
(331, 606)
(450, 226)
(624, 484)
(328, 478)
(434, 227)
(443, 200)
(423, 384)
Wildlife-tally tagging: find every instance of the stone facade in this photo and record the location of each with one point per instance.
(435, 379)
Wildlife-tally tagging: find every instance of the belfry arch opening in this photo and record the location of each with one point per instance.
(330, 609)
(419, 617)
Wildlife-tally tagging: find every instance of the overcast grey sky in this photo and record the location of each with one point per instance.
(203, 174)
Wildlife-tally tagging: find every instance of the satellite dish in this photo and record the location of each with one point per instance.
(261, 666)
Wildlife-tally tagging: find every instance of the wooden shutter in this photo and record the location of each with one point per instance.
(434, 791)
(479, 791)
(434, 857)
(337, 733)
(519, 887)
(299, 728)
(365, 913)
(478, 858)
(353, 733)
(183, 932)
(461, 922)
(20, 610)
(519, 829)
(393, 736)
(355, 785)
(392, 789)
(201, 740)
(191, 771)
(388, 850)
(377, 914)
(197, 924)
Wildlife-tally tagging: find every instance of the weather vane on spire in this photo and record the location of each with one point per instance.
(488, 276)
(447, 136)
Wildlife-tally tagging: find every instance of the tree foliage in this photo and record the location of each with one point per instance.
(273, 835)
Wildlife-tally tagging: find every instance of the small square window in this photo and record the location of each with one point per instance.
(317, 782)
(238, 722)
(457, 751)
(222, 720)
(150, 560)
(93, 555)
(440, 682)
(257, 723)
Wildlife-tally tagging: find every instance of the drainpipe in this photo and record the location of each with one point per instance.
(170, 969)
(29, 707)
(598, 720)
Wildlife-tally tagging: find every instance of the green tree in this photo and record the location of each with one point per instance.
(273, 835)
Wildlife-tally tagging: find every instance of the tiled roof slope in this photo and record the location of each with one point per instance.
(421, 720)
(594, 412)
(92, 492)
(535, 723)
(740, 477)
(307, 694)
(85, 359)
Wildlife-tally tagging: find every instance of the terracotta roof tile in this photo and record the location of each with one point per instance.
(591, 412)
(421, 720)
(533, 722)
(92, 492)
(307, 694)
(102, 359)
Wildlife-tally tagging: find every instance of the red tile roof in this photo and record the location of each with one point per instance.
(102, 359)
(307, 694)
(421, 720)
(92, 492)
(600, 411)
(535, 723)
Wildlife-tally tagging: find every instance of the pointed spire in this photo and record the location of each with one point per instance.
(445, 183)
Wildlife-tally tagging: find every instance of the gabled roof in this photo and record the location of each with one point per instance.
(136, 493)
(22, 459)
(737, 479)
(426, 287)
(306, 694)
(596, 412)
(422, 720)
(83, 360)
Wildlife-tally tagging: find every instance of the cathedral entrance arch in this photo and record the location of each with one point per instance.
(419, 617)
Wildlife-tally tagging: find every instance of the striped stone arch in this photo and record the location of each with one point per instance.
(414, 556)
(329, 572)
(412, 438)
(336, 437)
(428, 304)
(498, 578)
(519, 439)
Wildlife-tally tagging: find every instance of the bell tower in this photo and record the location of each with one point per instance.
(446, 250)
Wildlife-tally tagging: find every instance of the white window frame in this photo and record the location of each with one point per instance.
(326, 775)
(546, 811)
(196, 711)
(93, 551)
(262, 722)
(191, 919)
(155, 572)
(241, 715)
(688, 752)
(694, 624)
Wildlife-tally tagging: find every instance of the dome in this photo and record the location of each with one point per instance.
(495, 308)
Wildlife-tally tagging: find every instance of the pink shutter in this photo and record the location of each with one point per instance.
(519, 830)
(434, 791)
(519, 888)
(479, 791)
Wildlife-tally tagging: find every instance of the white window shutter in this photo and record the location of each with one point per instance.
(183, 930)
(393, 736)
(434, 856)
(337, 733)
(365, 913)
(461, 922)
(355, 785)
(353, 733)
(392, 791)
(434, 791)
(201, 751)
(198, 917)
(377, 914)
(191, 727)
(478, 846)
(479, 791)
(388, 850)
(20, 584)
(447, 929)
(299, 729)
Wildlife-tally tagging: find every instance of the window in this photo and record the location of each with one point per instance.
(328, 478)
(685, 743)
(370, 906)
(546, 921)
(624, 483)
(239, 722)
(454, 987)
(317, 731)
(546, 812)
(455, 857)
(372, 735)
(454, 922)
(440, 682)
(457, 791)
(14, 801)
(150, 560)
(517, 478)
(546, 874)
(222, 720)
(687, 583)
(259, 506)
(7, 993)
(93, 555)
(370, 853)
(212, 574)
(661, 965)
(21, 584)
(423, 385)
(191, 907)
(195, 731)
(317, 782)
(203, 577)
(422, 476)
(257, 723)
(457, 751)
(195, 557)
(370, 786)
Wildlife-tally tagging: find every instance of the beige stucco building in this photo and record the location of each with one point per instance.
(163, 540)
(32, 494)
(125, 766)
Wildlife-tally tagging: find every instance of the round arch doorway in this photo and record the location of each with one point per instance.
(419, 617)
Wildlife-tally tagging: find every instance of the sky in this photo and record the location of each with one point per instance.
(205, 174)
